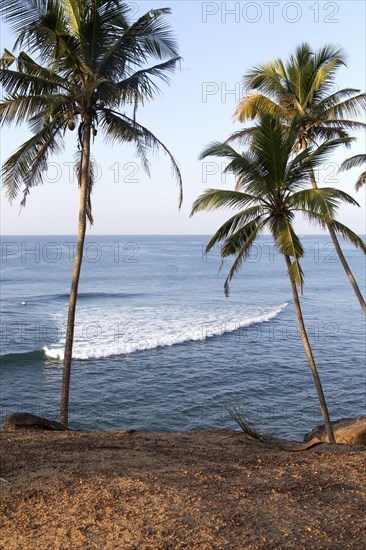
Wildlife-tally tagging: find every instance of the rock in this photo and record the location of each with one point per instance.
(350, 431)
(21, 421)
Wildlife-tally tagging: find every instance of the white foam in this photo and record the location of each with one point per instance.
(101, 334)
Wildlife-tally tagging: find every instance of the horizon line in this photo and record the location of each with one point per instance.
(142, 234)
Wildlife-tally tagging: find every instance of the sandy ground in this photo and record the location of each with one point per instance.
(208, 489)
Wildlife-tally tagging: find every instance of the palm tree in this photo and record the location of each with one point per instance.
(89, 61)
(353, 162)
(269, 191)
(305, 86)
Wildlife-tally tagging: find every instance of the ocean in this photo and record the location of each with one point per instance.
(158, 346)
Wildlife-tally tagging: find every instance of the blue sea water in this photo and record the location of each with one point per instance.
(158, 347)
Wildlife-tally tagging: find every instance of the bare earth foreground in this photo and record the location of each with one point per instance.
(207, 489)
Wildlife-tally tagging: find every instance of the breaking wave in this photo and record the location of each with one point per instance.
(99, 335)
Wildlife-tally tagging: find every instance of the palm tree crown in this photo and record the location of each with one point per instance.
(305, 86)
(270, 190)
(88, 61)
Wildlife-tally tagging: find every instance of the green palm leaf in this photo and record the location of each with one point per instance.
(348, 235)
(26, 108)
(139, 87)
(234, 224)
(360, 181)
(324, 201)
(251, 106)
(240, 244)
(353, 162)
(213, 199)
(27, 164)
(154, 34)
(289, 244)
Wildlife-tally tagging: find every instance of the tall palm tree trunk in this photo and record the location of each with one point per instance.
(84, 188)
(338, 249)
(347, 268)
(309, 354)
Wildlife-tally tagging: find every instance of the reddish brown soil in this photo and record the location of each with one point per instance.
(208, 489)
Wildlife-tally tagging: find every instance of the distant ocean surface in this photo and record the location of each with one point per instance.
(158, 347)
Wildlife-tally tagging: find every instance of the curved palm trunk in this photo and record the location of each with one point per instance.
(347, 268)
(84, 188)
(337, 246)
(309, 354)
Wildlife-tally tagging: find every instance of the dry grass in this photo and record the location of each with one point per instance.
(152, 491)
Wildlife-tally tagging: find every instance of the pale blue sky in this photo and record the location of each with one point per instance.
(219, 42)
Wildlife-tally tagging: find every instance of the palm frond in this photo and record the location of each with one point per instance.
(288, 244)
(219, 149)
(213, 199)
(72, 12)
(352, 107)
(233, 224)
(272, 146)
(240, 244)
(7, 59)
(322, 152)
(122, 128)
(353, 162)
(296, 273)
(335, 98)
(43, 26)
(267, 78)
(361, 180)
(27, 165)
(322, 133)
(21, 13)
(251, 106)
(25, 108)
(130, 46)
(23, 83)
(246, 425)
(245, 166)
(322, 78)
(322, 200)
(140, 87)
(301, 167)
(349, 235)
(327, 53)
(242, 136)
(154, 34)
(343, 124)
